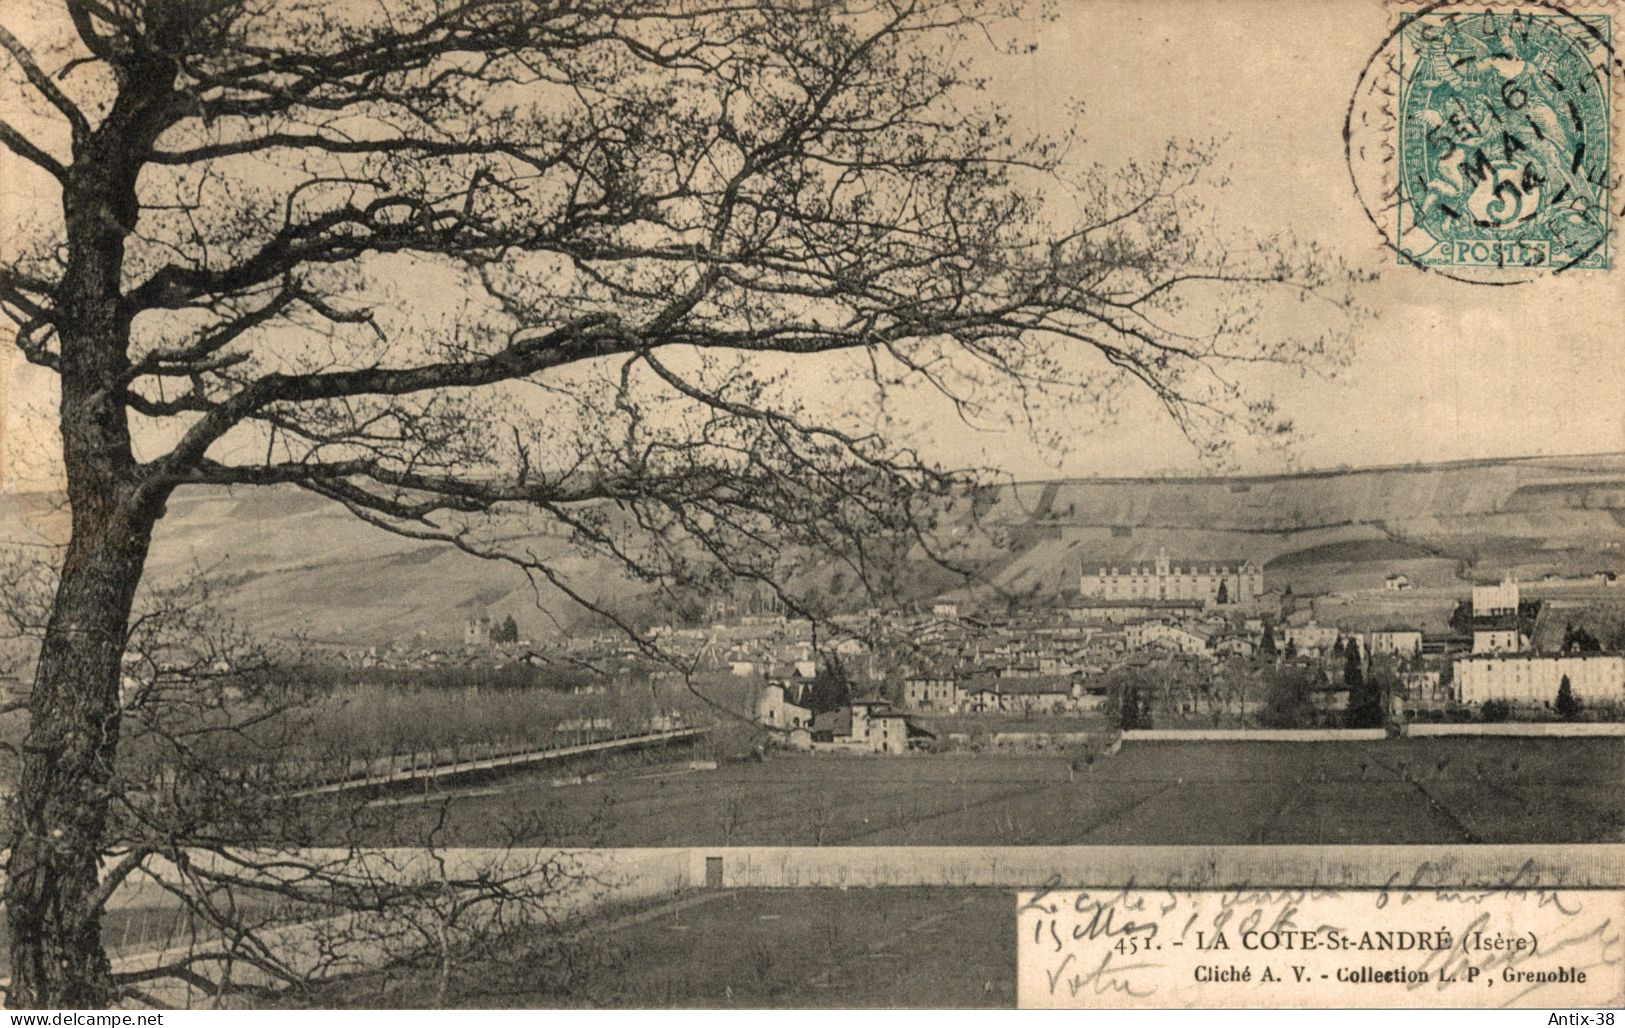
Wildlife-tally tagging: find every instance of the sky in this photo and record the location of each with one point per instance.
(1444, 370)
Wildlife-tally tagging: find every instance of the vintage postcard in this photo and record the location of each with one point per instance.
(590, 504)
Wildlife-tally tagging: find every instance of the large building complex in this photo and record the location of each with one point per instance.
(1167, 580)
(1532, 679)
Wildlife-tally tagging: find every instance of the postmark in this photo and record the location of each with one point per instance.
(1480, 140)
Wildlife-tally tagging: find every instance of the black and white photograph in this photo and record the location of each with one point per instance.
(807, 504)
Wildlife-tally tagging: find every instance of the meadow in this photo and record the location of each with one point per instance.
(792, 948)
(1394, 791)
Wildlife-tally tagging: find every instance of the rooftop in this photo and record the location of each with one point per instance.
(1087, 601)
(1036, 684)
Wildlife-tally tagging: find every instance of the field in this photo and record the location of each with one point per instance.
(787, 948)
(1396, 791)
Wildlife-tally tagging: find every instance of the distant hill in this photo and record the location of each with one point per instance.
(1321, 530)
(284, 561)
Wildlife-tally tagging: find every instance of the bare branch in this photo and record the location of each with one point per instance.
(25, 148)
(47, 88)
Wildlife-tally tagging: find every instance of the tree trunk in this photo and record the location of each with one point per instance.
(60, 813)
(58, 822)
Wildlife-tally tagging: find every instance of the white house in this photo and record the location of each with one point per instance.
(1501, 598)
(1506, 639)
(1307, 639)
(1401, 642)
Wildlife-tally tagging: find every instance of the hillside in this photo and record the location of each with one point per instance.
(1438, 524)
(284, 561)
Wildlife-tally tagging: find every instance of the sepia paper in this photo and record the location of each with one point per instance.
(583, 382)
(1319, 947)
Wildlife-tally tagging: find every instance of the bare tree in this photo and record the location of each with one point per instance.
(732, 813)
(652, 213)
(277, 890)
(821, 818)
(441, 912)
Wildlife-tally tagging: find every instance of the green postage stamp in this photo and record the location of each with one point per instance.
(1503, 139)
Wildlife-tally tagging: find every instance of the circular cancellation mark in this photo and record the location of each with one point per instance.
(1479, 140)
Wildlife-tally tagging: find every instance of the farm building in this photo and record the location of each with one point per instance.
(1047, 694)
(1401, 642)
(867, 725)
(935, 691)
(779, 705)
